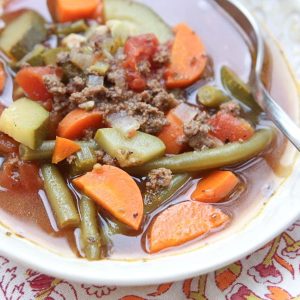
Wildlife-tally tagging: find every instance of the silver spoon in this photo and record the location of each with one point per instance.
(249, 25)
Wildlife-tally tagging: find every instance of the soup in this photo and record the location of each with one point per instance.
(170, 158)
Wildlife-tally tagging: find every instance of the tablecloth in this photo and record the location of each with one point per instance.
(271, 273)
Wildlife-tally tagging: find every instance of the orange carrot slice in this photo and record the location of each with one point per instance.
(114, 190)
(2, 77)
(215, 187)
(183, 222)
(30, 79)
(229, 128)
(72, 10)
(188, 58)
(77, 121)
(172, 133)
(63, 149)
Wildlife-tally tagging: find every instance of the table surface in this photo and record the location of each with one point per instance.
(271, 273)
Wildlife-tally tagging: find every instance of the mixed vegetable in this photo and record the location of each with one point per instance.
(102, 123)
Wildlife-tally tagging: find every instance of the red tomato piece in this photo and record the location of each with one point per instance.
(229, 128)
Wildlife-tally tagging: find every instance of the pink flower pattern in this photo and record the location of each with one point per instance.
(270, 273)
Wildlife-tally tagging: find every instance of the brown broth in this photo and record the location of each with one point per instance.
(30, 215)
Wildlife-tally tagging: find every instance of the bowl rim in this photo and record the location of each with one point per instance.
(190, 263)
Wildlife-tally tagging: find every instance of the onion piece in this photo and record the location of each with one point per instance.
(185, 112)
(127, 125)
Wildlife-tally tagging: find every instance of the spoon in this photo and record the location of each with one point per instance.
(252, 30)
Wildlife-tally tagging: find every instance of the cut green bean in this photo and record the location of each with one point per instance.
(84, 162)
(153, 201)
(75, 27)
(211, 96)
(240, 90)
(90, 233)
(60, 198)
(195, 161)
(45, 151)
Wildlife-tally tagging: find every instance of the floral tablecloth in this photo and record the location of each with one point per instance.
(271, 273)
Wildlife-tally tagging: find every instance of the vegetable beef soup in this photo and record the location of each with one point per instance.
(122, 136)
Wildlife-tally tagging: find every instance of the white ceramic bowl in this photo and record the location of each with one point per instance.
(257, 226)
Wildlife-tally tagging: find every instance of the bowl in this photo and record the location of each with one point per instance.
(264, 217)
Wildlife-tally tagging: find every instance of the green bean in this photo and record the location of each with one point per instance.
(60, 198)
(50, 55)
(84, 162)
(90, 233)
(240, 90)
(75, 27)
(153, 201)
(45, 151)
(226, 155)
(210, 96)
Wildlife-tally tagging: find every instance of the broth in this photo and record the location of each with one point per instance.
(29, 215)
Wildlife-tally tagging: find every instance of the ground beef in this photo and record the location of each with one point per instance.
(144, 67)
(116, 76)
(88, 93)
(105, 159)
(162, 56)
(158, 178)
(231, 107)
(163, 100)
(196, 133)
(54, 85)
(76, 84)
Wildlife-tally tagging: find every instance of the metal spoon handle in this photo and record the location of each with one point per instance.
(280, 118)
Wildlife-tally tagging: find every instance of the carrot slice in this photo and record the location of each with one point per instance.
(72, 10)
(114, 190)
(63, 149)
(183, 222)
(215, 187)
(2, 77)
(188, 58)
(31, 81)
(77, 121)
(229, 128)
(172, 133)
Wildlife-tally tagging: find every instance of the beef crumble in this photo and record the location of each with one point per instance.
(158, 179)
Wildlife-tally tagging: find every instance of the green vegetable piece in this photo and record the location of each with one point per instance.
(153, 201)
(25, 121)
(212, 97)
(99, 68)
(34, 58)
(45, 150)
(50, 55)
(196, 161)
(60, 198)
(68, 28)
(84, 162)
(21, 35)
(90, 233)
(133, 151)
(240, 90)
(122, 30)
(142, 18)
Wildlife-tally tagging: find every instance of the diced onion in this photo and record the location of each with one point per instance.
(185, 112)
(127, 125)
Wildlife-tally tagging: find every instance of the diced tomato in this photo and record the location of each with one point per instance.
(229, 128)
(16, 175)
(138, 49)
(31, 81)
(7, 145)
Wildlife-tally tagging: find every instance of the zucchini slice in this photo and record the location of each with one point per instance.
(21, 35)
(142, 17)
(25, 121)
